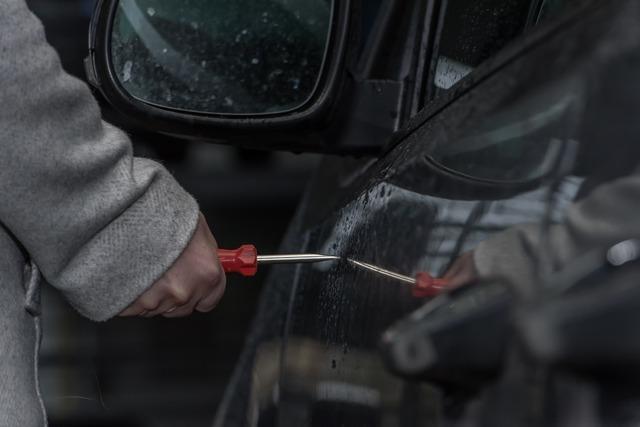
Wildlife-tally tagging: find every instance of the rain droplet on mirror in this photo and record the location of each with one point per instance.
(126, 71)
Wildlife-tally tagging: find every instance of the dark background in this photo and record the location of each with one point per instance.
(162, 372)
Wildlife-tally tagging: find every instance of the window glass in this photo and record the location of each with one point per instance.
(522, 141)
(551, 8)
(525, 137)
(473, 31)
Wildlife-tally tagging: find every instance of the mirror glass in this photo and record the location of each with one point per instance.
(221, 56)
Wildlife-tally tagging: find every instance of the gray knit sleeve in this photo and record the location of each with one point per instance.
(101, 224)
(609, 214)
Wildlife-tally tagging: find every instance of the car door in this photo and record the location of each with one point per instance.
(493, 143)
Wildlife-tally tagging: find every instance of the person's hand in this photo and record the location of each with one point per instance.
(195, 281)
(462, 271)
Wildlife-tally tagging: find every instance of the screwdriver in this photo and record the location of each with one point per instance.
(245, 260)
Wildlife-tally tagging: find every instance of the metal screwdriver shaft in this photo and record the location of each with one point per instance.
(295, 258)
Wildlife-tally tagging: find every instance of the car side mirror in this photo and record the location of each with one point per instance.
(257, 73)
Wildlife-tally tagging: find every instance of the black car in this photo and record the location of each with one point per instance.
(444, 122)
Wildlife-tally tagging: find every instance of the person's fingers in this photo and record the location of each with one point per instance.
(202, 301)
(181, 311)
(148, 301)
(458, 280)
(185, 300)
(456, 268)
(179, 294)
(207, 296)
(212, 284)
(151, 299)
(210, 301)
(215, 293)
(462, 271)
(196, 279)
(451, 271)
(133, 310)
(165, 305)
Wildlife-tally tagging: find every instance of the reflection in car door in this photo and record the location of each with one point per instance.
(312, 358)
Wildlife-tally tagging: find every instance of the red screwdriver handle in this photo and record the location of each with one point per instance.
(428, 286)
(243, 260)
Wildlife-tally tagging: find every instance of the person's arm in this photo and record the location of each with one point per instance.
(194, 282)
(606, 216)
(101, 225)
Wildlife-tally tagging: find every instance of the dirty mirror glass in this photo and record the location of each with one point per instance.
(215, 56)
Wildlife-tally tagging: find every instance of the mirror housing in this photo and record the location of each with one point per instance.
(312, 126)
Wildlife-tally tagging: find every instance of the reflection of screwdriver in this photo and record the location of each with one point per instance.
(245, 261)
(423, 284)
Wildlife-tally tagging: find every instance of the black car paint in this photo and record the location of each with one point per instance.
(405, 213)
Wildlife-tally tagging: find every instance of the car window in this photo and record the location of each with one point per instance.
(550, 8)
(521, 141)
(526, 136)
(472, 32)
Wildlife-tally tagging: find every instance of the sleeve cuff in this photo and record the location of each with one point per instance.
(125, 258)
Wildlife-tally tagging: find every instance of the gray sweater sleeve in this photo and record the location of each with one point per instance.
(606, 216)
(101, 224)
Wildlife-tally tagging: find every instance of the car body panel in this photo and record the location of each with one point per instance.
(322, 324)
